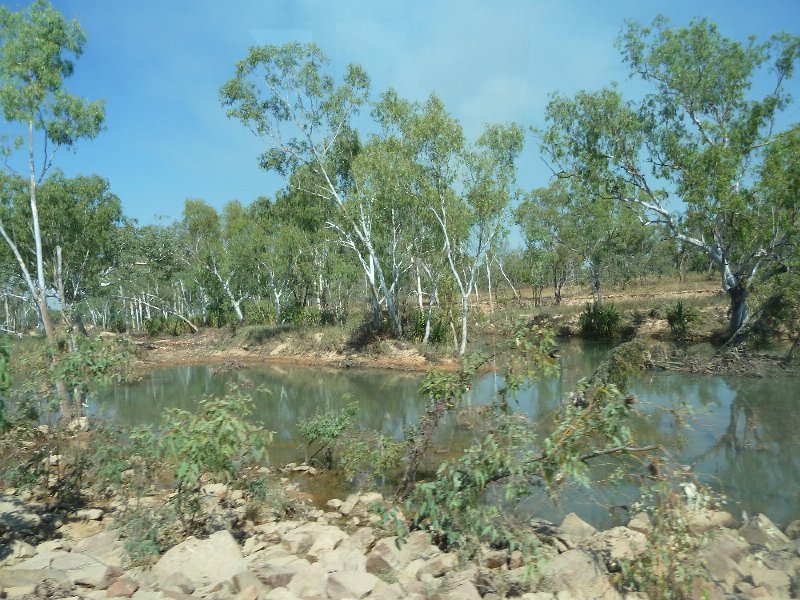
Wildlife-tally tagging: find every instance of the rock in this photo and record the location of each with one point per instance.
(576, 528)
(89, 514)
(78, 568)
(349, 504)
(385, 558)
(492, 558)
(577, 572)
(515, 560)
(439, 565)
(616, 545)
(280, 593)
(350, 584)
(17, 516)
(17, 577)
(309, 583)
(334, 503)
(104, 546)
(79, 424)
(417, 545)
(124, 587)
(213, 560)
(249, 585)
(343, 559)
(792, 530)
(641, 522)
(728, 543)
(463, 590)
(723, 570)
(278, 571)
(312, 540)
(178, 582)
(215, 490)
(701, 521)
(371, 498)
(17, 552)
(760, 531)
(385, 591)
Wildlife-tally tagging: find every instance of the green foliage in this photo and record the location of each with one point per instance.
(471, 500)
(302, 316)
(416, 327)
(670, 566)
(217, 440)
(5, 383)
(600, 321)
(323, 429)
(356, 453)
(368, 454)
(680, 319)
(171, 325)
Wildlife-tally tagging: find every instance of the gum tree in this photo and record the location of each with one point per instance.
(688, 156)
(37, 49)
(284, 95)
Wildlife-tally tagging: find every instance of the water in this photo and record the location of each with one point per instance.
(743, 437)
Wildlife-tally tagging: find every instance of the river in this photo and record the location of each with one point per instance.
(742, 437)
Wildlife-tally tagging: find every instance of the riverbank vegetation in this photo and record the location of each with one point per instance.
(671, 217)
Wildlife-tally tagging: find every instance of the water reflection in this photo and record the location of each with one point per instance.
(743, 437)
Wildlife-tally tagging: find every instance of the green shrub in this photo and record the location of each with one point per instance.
(416, 326)
(302, 316)
(600, 321)
(680, 319)
(323, 429)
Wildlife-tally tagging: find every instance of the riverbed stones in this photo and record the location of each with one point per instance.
(579, 573)
(16, 515)
(616, 545)
(576, 528)
(792, 530)
(760, 531)
(213, 560)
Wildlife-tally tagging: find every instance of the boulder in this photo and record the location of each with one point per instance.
(350, 584)
(104, 546)
(439, 565)
(641, 522)
(17, 577)
(760, 531)
(312, 540)
(280, 593)
(309, 583)
(463, 590)
(124, 587)
(213, 560)
(89, 514)
(78, 568)
(385, 558)
(349, 504)
(16, 552)
(178, 582)
(17, 516)
(616, 545)
(578, 573)
(576, 528)
(792, 530)
(701, 521)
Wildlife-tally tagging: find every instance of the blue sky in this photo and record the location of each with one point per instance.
(159, 66)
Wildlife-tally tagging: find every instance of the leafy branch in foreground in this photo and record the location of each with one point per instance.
(468, 501)
(530, 351)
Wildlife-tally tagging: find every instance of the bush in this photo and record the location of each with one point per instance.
(416, 326)
(680, 318)
(600, 321)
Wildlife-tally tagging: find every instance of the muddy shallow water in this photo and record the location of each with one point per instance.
(742, 436)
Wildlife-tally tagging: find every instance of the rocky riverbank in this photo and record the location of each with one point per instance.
(341, 551)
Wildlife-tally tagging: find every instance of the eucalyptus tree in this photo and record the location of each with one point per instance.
(697, 141)
(283, 94)
(467, 189)
(37, 49)
(221, 249)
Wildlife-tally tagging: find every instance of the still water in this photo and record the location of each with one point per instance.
(743, 436)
